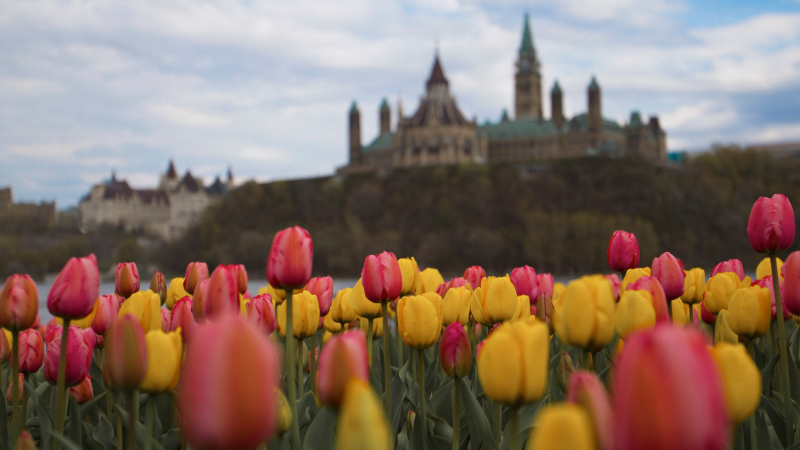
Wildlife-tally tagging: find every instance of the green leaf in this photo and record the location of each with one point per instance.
(762, 433)
(399, 391)
(165, 411)
(68, 444)
(87, 407)
(766, 374)
(171, 440)
(442, 400)
(480, 434)
(140, 430)
(776, 418)
(45, 421)
(74, 428)
(4, 423)
(320, 434)
(441, 432)
(104, 433)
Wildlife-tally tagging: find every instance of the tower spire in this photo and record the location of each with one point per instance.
(526, 47)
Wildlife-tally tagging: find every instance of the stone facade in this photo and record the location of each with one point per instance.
(41, 215)
(437, 133)
(164, 212)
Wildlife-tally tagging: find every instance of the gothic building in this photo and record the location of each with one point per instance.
(438, 133)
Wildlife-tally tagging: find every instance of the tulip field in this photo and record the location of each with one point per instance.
(657, 356)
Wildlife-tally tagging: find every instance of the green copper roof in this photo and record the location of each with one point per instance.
(527, 127)
(526, 48)
(384, 104)
(581, 121)
(382, 142)
(504, 117)
(556, 88)
(593, 85)
(353, 108)
(636, 119)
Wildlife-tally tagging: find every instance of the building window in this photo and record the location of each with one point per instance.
(417, 151)
(433, 151)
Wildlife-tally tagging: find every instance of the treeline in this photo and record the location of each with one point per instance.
(554, 216)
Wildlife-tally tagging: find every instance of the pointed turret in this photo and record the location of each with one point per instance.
(528, 80)
(437, 74)
(526, 47)
(557, 105)
(355, 134)
(385, 116)
(595, 107)
(171, 173)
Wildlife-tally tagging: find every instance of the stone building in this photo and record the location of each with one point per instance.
(166, 211)
(438, 133)
(25, 215)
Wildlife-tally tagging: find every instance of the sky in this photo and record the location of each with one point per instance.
(264, 87)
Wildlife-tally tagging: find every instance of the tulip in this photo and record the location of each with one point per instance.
(361, 423)
(587, 391)
(525, 281)
(19, 303)
(651, 285)
(10, 392)
(634, 312)
(331, 327)
(166, 318)
(670, 372)
(419, 320)
(719, 289)
(106, 311)
(771, 225)
(585, 317)
(623, 251)
(377, 327)
(222, 296)
(455, 352)
(246, 415)
(182, 318)
(342, 358)
(305, 316)
(164, 355)
(544, 310)
(31, 351)
(558, 292)
(494, 301)
(80, 345)
(631, 276)
(196, 273)
(158, 284)
(261, 312)
(278, 295)
(428, 280)
(126, 354)
(452, 284)
(175, 291)
(766, 282)
(731, 265)
(694, 286)
(455, 305)
(126, 279)
(565, 370)
(25, 442)
(791, 283)
(240, 274)
(5, 348)
(524, 307)
(562, 426)
(669, 272)
(290, 258)
(615, 284)
(199, 300)
(408, 272)
(381, 277)
(722, 330)
(474, 275)
(146, 307)
(708, 317)
(341, 311)
(83, 391)
(765, 268)
(361, 305)
(545, 282)
(749, 312)
(680, 313)
(741, 380)
(284, 412)
(74, 291)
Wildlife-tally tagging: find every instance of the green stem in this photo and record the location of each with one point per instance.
(691, 315)
(472, 343)
(24, 421)
(514, 429)
(586, 360)
(369, 342)
(456, 411)
(421, 385)
(498, 417)
(61, 396)
(290, 368)
(387, 366)
(752, 419)
(313, 356)
(15, 419)
(132, 419)
(149, 422)
(119, 424)
(782, 348)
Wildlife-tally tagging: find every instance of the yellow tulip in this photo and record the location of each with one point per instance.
(680, 313)
(632, 275)
(563, 426)
(722, 331)
(409, 272)
(428, 281)
(326, 336)
(361, 422)
(634, 312)
(513, 363)
(284, 412)
(361, 305)
(494, 301)
(455, 305)
(377, 327)
(278, 295)
(175, 292)
(243, 305)
(585, 318)
(741, 380)
(146, 306)
(164, 356)
(330, 325)
(419, 320)
(305, 315)
(85, 322)
(750, 312)
(523, 307)
(694, 286)
(558, 293)
(719, 289)
(764, 268)
(340, 307)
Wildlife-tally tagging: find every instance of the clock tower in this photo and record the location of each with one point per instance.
(528, 85)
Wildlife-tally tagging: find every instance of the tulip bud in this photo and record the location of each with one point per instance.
(106, 311)
(410, 418)
(196, 273)
(31, 351)
(653, 286)
(158, 284)
(525, 281)
(731, 265)
(565, 370)
(80, 345)
(694, 286)
(524, 308)
(164, 356)
(74, 291)
(740, 378)
(562, 426)
(544, 310)
(669, 272)
(545, 282)
(361, 305)
(175, 291)
(5, 348)
(722, 331)
(428, 280)
(494, 301)
(452, 284)
(587, 391)
(19, 303)
(455, 351)
(322, 287)
(25, 442)
(278, 295)
(331, 326)
(261, 312)
(305, 315)
(585, 317)
(341, 311)
(240, 273)
(680, 313)
(247, 414)
(771, 225)
(623, 251)
(791, 285)
(222, 296)
(381, 277)
(126, 279)
(419, 319)
(126, 354)
(284, 412)
(199, 300)
(455, 305)
(613, 279)
(409, 272)
(708, 318)
(166, 317)
(749, 312)
(290, 258)
(145, 306)
(474, 275)
(631, 276)
(182, 318)
(719, 289)
(634, 312)
(9, 392)
(342, 358)
(764, 268)
(362, 422)
(83, 391)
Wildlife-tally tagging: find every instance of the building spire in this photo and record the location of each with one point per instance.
(437, 74)
(526, 47)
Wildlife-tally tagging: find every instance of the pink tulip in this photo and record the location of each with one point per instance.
(166, 317)
(525, 282)
(615, 284)
(9, 396)
(771, 224)
(668, 393)
(31, 351)
(623, 251)
(452, 284)
(290, 259)
(708, 317)
(474, 275)
(669, 272)
(183, 318)
(381, 277)
(455, 351)
(731, 265)
(126, 279)
(229, 356)
(158, 284)
(240, 274)
(19, 303)
(342, 358)
(196, 273)
(790, 293)
(80, 345)
(322, 287)
(75, 290)
(586, 390)
(261, 312)
(5, 348)
(126, 354)
(106, 313)
(199, 300)
(651, 285)
(223, 294)
(545, 282)
(766, 282)
(82, 392)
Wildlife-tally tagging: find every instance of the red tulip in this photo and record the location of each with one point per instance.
(183, 318)
(586, 390)
(623, 251)
(525, 282)
(342, 358)
(381, 277)
(452, 284)
(158, 284)
(790, 293)
(19, 303)
(290, 258)
(771, 224)
(651, 285)
(240, 274)
(82, 392)
(669, 272)
(474, 275)
(75, 290)
(545, 282)
(228, 398)
(126, 354)
(106, 313)
(731, 265)
(322, 287)
(80, 345)
(223, 294)
(199, 301)
(668, 393)
(261, 312)
(708, 317)
(455, 351)
(31, 351)
(9, 397)
(196, 273)
(126, 279)
(766, 282)
(166, 317)
(615, 284)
